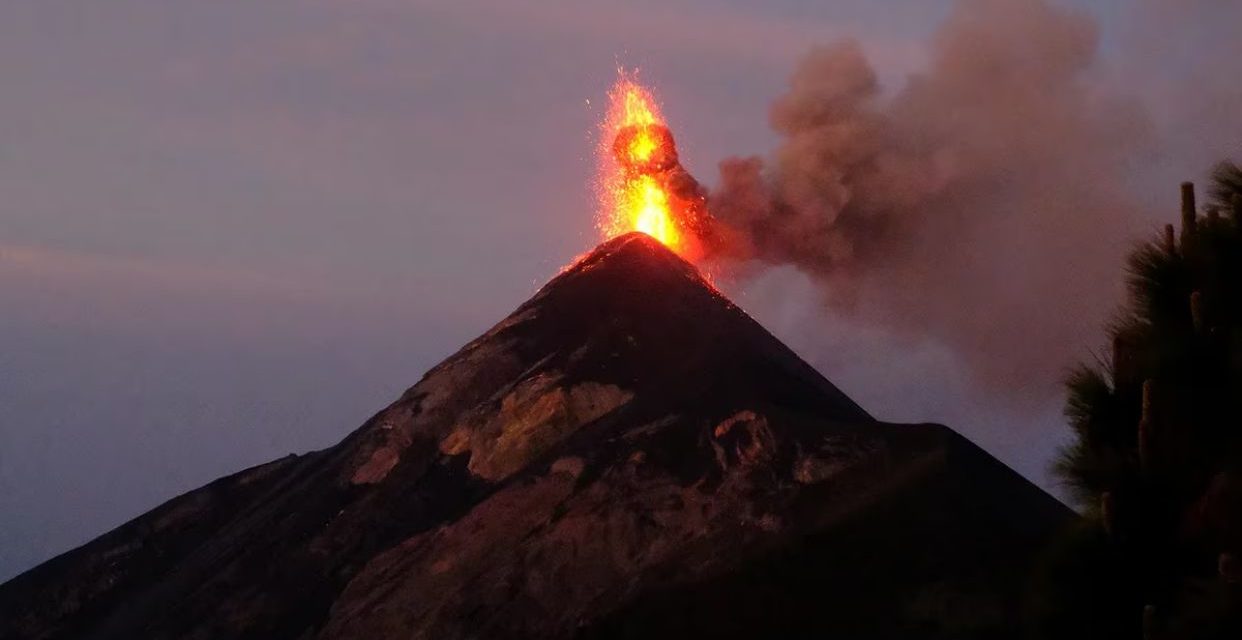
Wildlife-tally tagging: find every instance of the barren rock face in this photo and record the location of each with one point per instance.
(626, 455)
(538, 414)
(577, 548)
(744, 438)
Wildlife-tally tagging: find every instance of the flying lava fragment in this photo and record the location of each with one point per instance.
(642, 185)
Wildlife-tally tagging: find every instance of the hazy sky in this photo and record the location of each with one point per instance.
(231, 230)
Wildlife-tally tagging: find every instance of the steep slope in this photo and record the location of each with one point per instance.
(626, 455)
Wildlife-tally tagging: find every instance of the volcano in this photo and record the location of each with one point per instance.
(627, 455)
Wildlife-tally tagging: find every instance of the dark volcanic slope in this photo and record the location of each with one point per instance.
(627, 455)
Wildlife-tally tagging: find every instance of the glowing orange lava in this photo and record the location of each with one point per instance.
(637, 161)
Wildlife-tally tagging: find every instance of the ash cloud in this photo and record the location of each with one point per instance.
(982, 205)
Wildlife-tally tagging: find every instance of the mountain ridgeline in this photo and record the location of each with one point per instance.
(627, 455)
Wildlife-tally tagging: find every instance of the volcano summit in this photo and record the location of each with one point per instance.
(627, 455)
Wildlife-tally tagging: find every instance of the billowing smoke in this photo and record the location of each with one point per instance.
(981, 205)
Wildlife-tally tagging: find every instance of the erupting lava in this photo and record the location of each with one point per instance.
(642, 185)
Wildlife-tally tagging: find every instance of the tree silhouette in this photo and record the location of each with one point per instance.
(1157, 458)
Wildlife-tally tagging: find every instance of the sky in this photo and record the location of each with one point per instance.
(233, 230)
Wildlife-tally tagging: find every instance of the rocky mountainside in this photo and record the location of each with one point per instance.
(626, 455)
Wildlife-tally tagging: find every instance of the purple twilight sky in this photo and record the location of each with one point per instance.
(232, 230)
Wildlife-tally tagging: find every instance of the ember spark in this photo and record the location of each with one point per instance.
(638, 170)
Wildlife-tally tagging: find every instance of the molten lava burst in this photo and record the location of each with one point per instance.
(637, 159)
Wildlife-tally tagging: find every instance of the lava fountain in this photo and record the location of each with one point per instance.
(642, 186)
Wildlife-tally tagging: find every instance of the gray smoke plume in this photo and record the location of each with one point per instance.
(982, 205)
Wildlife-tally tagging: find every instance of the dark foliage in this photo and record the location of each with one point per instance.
(1157, 458)
(1226, 184)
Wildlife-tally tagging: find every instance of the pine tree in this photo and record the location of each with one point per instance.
(1157, 458)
